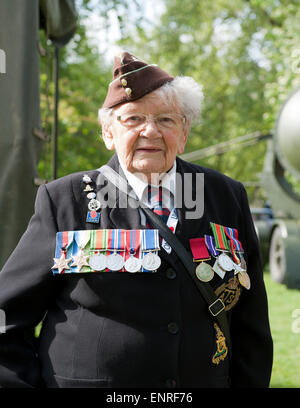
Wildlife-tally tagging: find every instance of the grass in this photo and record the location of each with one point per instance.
(282, 303)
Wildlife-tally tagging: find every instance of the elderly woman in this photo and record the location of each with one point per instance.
(119, 305)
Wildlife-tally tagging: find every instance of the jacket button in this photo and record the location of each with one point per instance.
(170, 383)
(170, 273)
(173, 328)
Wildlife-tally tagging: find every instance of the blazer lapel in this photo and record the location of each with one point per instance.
(117, 217)
(188, 227)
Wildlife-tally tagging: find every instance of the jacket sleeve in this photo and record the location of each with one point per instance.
(26, 288)
(252, 346)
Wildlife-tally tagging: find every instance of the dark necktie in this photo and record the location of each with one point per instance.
(155, 201)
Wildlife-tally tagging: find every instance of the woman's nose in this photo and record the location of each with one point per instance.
(150, 128)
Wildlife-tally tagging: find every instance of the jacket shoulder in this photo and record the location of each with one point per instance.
(212, 177)
(69, 182)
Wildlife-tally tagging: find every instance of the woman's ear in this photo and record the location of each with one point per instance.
(108, 138)
(182, 141)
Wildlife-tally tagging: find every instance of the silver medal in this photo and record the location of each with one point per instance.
(98, 262)
(151, 261)
(238, 268)
(225, 262)
(91, 195)
(115, 262)
(94, 205)
(133, 264)
(86, 179)
(219, 271)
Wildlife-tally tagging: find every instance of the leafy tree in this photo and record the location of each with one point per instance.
(245, 53)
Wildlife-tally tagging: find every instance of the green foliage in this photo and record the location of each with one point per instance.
(82, 89)
(245, 53)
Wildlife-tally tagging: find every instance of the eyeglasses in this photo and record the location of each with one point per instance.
(163, 121)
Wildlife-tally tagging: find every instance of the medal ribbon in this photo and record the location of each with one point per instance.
(99, 239)
(232, 234)
(115, 242)
(67, 239)
(82, 238)
(64, 240)
(59, 244)
(133, 238)
(116, 239)
(210, 243)
(150, 240)
(220, 237)
(233, 249)
(199, 249)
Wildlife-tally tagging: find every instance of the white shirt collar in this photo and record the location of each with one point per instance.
(168, 181)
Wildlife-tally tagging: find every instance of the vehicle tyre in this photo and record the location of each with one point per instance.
(277, 257)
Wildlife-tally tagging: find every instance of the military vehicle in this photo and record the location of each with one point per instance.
(280, 178)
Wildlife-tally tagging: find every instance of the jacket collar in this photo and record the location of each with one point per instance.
(187, 227)
(129, 218)
(125, 218)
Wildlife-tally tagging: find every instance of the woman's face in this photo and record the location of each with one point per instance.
(152, 146)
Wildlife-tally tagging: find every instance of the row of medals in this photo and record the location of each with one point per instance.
(205, 272)
(115, 261)
(151, 261)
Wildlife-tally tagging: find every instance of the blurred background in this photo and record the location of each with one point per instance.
(56, 62)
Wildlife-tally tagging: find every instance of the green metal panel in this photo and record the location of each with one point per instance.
(20, 106)
(19, 114)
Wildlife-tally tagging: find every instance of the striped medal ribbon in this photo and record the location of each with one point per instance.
(149, 248)
(116, 244)
(98, 245)
(63, 252)
(239, 267)
(211, 245)
(133, 239)
(232, 234)
(79, 255)
(234, 243)
(224, 261)
(236, 259)
(220, 237)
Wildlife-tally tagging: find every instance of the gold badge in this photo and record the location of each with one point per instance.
(88, 188)
(222, 349)
(229, 292)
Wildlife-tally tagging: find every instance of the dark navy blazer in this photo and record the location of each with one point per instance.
(129, 329)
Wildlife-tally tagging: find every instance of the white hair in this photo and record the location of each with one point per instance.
(183, 91)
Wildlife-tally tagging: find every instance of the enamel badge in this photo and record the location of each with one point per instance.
(93, 216)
